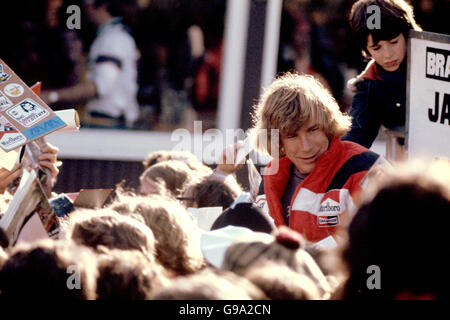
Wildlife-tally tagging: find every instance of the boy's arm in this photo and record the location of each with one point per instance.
(365, 120)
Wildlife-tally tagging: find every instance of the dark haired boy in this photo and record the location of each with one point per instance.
(381, 88)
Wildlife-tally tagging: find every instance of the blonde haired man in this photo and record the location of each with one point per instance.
(318, 175)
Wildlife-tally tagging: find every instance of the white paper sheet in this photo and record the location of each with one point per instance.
(205, 217)
(214, 244)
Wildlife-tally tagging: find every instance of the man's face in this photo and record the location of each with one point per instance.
(305, 146)
(388, 54)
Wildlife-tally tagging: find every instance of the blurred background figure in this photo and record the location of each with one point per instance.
(40, 46)
(111, 85)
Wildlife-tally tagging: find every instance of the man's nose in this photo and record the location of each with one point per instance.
(305, 143)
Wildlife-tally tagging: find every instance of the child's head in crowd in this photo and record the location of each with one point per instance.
(177, 240)
(94, 228)
(169, 177)
(185, 156)
(49, 269)
(126, 275)
(212, 191)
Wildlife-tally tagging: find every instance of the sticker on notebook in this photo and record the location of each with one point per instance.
(3, 75)
(44, 128)
(14, 90)
(10, 137)
(28, 112)
(5, 103)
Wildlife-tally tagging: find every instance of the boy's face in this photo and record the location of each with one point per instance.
(389, 54)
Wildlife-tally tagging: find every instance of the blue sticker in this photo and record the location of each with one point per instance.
(44, 127)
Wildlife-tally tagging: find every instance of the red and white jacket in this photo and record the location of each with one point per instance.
(322, 201)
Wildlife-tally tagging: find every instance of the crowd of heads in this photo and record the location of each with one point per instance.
(148, 246)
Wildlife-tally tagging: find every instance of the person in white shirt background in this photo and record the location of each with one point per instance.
(111, 86)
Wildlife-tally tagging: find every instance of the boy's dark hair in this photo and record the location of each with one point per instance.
(396, 17)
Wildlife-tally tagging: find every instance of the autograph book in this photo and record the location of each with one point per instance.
(24, 117)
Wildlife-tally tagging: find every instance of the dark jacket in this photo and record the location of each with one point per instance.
(380, 100)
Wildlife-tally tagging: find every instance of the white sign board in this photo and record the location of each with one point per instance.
(428, 95)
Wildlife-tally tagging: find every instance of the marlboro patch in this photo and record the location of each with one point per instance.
(5, 103)
(28, 112)
(10, 137)
(329, 209)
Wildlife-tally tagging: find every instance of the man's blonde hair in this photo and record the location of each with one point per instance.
(290, 102)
